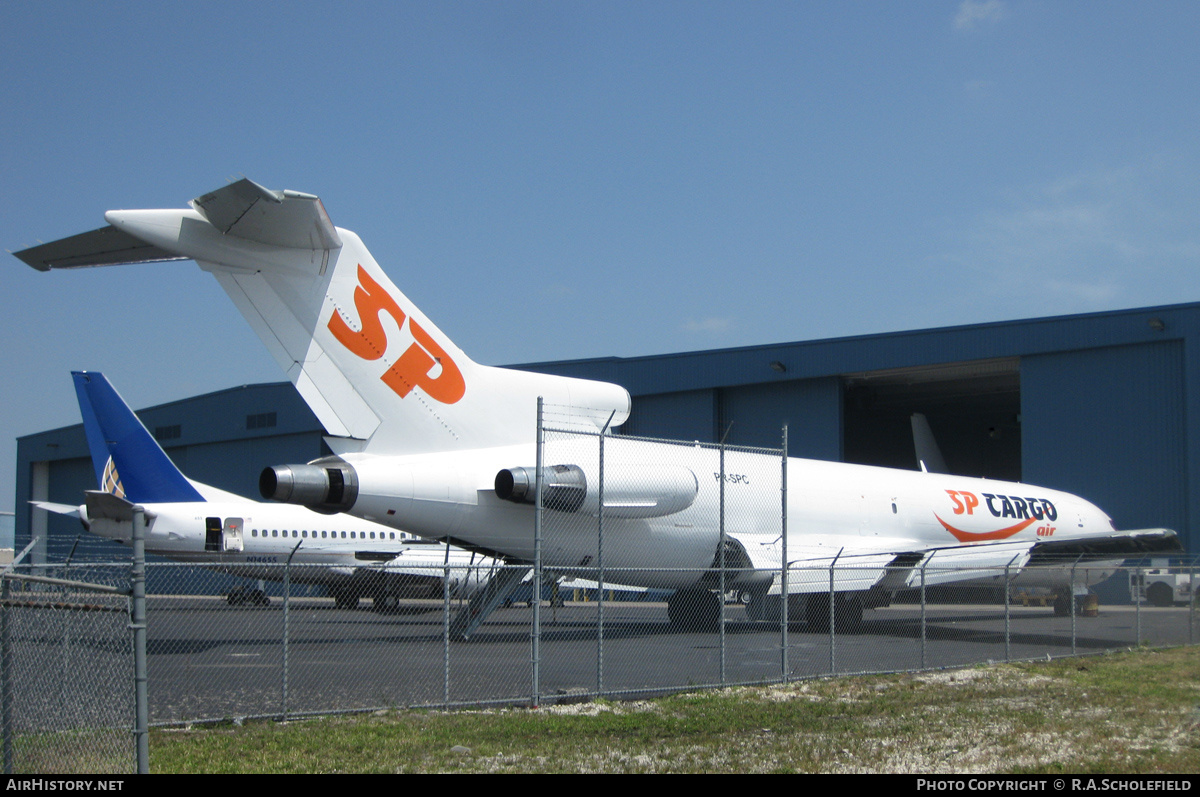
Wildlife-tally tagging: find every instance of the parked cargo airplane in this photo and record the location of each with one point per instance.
(428, 441)
(193, 522)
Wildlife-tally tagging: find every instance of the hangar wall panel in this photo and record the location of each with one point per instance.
(688, 415)
(811, 408)
(235, 465)
(1108, 424)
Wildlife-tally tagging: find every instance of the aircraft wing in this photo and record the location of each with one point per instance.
(1119, 544)
(863, 566)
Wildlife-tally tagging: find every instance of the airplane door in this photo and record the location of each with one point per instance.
(212, 534)
(233, 534)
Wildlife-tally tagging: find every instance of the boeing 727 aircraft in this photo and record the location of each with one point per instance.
(193, 522)
(430, 442)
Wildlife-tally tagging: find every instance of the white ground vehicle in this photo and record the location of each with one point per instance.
(1162, 585)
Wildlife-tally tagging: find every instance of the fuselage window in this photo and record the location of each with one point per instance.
(372, 535)
(274, 532)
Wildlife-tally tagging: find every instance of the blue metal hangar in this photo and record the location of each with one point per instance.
(1104, 405)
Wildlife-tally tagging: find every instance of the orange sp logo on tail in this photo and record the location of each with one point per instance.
(419, 360)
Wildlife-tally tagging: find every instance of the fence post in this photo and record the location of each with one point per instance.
(923, 566)
(1071, 595)
(832, 619)
(535, 643)
(6, 689)
(1007, 612)
(287, 594)
(600, 566)
(1192, 602)
(137, 579)
(721, 555)
(783, 563)
(1138, 590)
(466, 582)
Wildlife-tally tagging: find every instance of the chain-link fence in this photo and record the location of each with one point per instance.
(66, 675)
(643, 579)
(262, 651)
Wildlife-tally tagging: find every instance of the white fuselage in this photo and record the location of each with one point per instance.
(254, 540)
(852, 509)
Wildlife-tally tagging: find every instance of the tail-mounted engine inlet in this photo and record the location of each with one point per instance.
(564, 486)
(641, 491)
(326, 485)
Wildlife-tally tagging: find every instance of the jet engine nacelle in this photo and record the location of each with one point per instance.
(326, 485)
(643, 491)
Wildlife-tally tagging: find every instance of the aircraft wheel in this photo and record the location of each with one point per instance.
(756, 606)
(1160, 594)
(762, 606)
(259, 598)
(694, 610)
(236, 597)
(1062, 604)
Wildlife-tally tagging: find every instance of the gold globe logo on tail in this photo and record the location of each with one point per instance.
(111, 481)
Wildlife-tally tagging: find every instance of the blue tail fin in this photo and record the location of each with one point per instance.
(128, 460)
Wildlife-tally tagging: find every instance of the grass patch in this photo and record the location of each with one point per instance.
(1122, 713)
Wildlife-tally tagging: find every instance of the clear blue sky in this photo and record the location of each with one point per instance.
(553, 180)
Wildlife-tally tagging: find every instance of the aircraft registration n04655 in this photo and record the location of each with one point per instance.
(428, 441)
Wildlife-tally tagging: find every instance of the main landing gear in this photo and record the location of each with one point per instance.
(700, 610)
(813, 609)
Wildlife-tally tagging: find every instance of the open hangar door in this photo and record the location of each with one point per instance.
(973, 408)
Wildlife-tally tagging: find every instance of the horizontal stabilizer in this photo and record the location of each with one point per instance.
(106, 506)
(59, 509)
(277, 218)
(106, 246)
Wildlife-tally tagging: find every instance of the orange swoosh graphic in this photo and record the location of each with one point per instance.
(999, 534)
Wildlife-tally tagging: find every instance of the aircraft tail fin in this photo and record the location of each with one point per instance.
(374, 369)
(129, 462)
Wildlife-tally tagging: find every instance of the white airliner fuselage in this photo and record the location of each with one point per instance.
(254, 540)
(856, 511)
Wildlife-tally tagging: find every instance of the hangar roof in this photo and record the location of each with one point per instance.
(940, 353)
